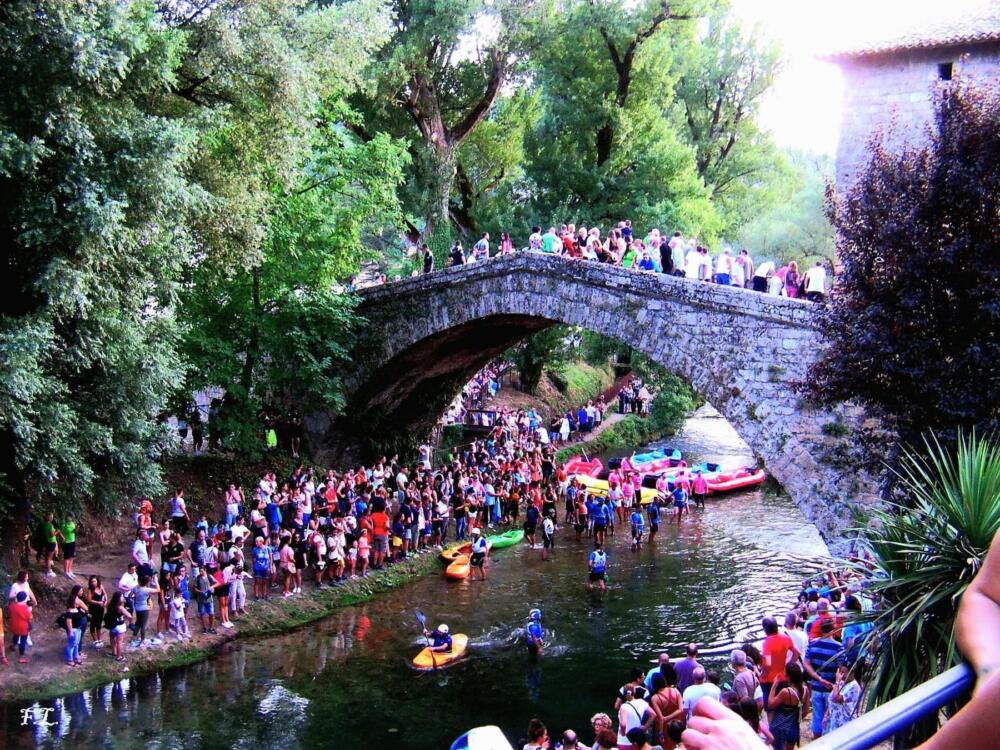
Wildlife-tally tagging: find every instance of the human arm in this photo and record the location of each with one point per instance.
(813, 674)
(773, 699)
(977, 626)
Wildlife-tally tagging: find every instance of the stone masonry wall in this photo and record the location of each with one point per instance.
(898, 88)
(742, 351)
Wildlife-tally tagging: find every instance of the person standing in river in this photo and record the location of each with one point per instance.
(597, 565)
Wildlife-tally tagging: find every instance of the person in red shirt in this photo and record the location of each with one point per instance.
(774, 653)
(380, 531)
(20, 621)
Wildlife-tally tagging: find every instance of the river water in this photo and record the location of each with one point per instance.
(346, 682)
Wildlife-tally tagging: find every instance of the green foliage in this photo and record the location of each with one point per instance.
(797, 227)
(723, 77)
(92, 196)
(603, 149)
(674, 401)
(178, 193)
(925, 552)
(546, 349)
(914, 327)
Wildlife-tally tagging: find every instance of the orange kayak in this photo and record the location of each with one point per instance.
(458, 569)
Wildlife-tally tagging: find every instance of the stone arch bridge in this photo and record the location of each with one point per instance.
(743, 351)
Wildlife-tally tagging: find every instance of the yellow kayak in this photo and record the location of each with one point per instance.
(425, 661)
(599, 487)
(449, 555)
(458, 568)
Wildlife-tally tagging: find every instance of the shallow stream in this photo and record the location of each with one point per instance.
(346, 682)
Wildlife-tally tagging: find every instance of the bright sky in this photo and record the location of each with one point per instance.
(803, 108)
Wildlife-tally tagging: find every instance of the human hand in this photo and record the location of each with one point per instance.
(715, 727)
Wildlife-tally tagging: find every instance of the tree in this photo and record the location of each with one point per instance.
(437, 80)
(797, 227)
(546, 349)
(914, 326)
(299, 191)
(603, 150)
(93, 197)
(723, 78)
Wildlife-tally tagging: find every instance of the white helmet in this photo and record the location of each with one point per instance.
(442, 628)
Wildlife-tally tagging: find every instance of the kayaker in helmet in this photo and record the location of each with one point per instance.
(533, 634)
(441, 639)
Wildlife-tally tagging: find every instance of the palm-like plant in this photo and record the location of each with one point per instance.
(924, 554)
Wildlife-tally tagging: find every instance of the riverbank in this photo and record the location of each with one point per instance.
(45, 678)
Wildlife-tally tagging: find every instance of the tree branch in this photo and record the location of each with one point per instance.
(498, 74)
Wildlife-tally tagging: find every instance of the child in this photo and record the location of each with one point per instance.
(352, 558)
(178, 616)
(364, 549)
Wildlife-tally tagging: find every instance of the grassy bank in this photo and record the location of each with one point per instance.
(629, 432)
(277, 615)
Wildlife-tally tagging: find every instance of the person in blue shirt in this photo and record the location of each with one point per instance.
(638, 528)
(261, 555)
(440, 639)
(531, 516)
(653, 511)
(680, 502)
(533, 635)
(600, 520)
(597, 564)
(647, 263)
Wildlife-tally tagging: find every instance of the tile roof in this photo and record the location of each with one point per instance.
(981, 25)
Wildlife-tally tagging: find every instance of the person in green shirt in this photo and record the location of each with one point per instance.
(67, 531)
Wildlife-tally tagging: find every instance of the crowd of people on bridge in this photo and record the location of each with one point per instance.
(657, 252)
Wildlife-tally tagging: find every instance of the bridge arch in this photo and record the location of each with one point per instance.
(742, 351)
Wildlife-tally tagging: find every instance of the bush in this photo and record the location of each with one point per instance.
(914, 324)
(924, 555)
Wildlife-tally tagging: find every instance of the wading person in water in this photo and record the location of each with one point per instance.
(533, 636)
(480, 549)
(597, 564)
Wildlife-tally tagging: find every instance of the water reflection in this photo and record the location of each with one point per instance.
(346, 680)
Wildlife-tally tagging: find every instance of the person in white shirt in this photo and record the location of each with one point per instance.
(700, 689)
(816, 282)
(692, 263)
(676, 245)
(129, 580)
(724, 267)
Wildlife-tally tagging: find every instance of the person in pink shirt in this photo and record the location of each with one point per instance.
(699, 489)
(364, 545)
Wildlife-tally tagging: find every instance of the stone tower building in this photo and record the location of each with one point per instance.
(893, 80)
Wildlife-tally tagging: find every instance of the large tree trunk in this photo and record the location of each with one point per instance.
(442, 174)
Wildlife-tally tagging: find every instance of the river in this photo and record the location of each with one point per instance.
(346, 682)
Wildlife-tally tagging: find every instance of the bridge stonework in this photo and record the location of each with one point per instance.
(742, 351)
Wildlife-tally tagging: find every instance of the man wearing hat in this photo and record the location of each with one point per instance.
(480, 549)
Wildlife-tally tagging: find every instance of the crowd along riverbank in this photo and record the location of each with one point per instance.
(268, 617)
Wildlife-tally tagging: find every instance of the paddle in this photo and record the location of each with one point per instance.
(422, 619)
